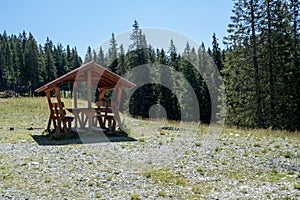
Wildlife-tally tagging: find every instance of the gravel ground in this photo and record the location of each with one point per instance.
(188, 163)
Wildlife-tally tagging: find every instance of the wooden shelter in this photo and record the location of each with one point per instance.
(105, 112)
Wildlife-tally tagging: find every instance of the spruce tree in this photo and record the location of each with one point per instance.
(241, 71)
(101, 57)
(89, 55)
(204, 64)
(216, 53)
(51, 71)
(295, 51)
(112, 61)
(121, 68)
(262, 92)
(31, 75)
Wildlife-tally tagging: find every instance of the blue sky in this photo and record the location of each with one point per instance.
(90, 22)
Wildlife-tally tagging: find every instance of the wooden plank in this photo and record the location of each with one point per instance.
(118, 100)
(89, 88)
(75, 100)
(48, 95)
(116, 108)
(61, 112)
(75, 95)
(101, 96)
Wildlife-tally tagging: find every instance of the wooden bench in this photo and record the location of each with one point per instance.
(104, 115)
(60, 120)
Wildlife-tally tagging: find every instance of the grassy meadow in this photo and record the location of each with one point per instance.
(240, 163)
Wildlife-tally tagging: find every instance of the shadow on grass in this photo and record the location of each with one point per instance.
(88, 137)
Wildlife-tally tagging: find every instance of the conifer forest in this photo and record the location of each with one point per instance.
(259, 65)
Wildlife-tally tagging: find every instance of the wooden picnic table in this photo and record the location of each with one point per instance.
(88, 117)
(83, 116)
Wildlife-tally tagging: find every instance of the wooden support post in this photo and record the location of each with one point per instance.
(48, 95)
(102, 93)
(117, 106)
(89, 88)
(75, 100)
(75, 94)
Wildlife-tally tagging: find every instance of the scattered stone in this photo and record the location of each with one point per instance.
(34, 163)
(119, 170)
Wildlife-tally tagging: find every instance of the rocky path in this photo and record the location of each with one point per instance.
(159, 164)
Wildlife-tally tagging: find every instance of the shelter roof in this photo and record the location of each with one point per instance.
(100, 76)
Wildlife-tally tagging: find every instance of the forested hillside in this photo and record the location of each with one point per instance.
(186, 63)
(25, 65)
(262, 71)
(260, 66)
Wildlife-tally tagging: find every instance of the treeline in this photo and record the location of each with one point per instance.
(26, 65)
(187, 63)
(260, 68)
(262, 72)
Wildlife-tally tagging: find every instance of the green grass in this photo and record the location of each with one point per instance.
(297, 186)
(200, 171)
(25, 116)
(198, 144)
(217, 149)
(257, 145)
(98, 195)
(162, 132)
(165, 176)
(277, 146)
(287, 154)
(162, 194)
(135, 197)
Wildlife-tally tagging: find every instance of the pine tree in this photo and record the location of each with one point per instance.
(75, 59)
(216, 53)
(31, 64)
(188, 65)
(139, 55)
(135, 37)
(88, 56)
(100, 57)
(121, 68)
(51, 71)
(295, 83)
(5, 67)
(204, 64)
(60, 59)
(163, 94)
(42, 66)
(15, 51)
(174, 58)
(112, 54)
(262, 32)
(173, 108)
(241, 71)
(95, 57)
